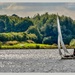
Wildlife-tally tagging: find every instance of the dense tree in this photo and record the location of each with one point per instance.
(32, 37)
(40, 28)
(35, 30)
(2, 26)
(72, 43)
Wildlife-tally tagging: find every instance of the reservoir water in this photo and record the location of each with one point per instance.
(34, 60)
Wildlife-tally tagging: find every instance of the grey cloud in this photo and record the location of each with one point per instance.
(30, 9)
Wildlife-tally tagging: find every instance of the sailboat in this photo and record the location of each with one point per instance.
(66, 54)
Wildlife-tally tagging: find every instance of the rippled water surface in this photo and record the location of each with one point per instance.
(36, 60)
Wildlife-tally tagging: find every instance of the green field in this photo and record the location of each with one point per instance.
(25, 45)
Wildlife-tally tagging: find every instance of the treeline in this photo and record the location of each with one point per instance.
(40, 28)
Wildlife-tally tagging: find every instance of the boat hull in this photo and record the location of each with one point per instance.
(68, 57)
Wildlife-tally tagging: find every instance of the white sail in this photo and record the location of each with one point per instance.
(60, 41)
(59, 45)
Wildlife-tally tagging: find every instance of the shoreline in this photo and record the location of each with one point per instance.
(25, 45)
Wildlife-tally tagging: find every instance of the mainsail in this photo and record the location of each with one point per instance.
(60, 40)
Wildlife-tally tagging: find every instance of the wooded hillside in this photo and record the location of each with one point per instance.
(40, 28)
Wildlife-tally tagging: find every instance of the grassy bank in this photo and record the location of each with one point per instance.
(28, 46)
(24, 45)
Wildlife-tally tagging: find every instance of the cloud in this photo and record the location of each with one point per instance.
(13, 7)
(30, 9)
(70, 6)
(1, 3)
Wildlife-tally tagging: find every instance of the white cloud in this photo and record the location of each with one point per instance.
(23, 9)
(1, 3)
(70, 6)
(14, 6)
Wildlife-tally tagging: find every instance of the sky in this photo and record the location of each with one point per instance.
(31, 9)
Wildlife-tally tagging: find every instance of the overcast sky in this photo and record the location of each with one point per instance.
(30, 9)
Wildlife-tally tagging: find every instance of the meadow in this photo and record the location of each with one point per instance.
(26, 45)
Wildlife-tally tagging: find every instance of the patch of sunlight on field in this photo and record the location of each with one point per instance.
(28, 46)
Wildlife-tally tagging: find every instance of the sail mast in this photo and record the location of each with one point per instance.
(59, 37)
(59, 45)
